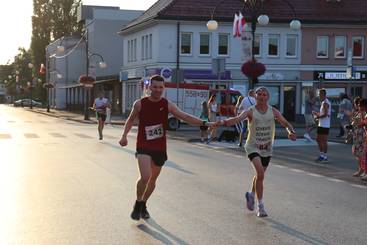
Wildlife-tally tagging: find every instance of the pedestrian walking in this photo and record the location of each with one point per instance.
(100, 106)
(151, 145)
(310, 106)
(205, 117)
(259, 144)
(323, 117)
(213, 111)
(359, 137)
(344, 113)
(246, 103)
(240, 125)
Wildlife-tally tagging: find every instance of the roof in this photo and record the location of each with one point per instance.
(310, 11)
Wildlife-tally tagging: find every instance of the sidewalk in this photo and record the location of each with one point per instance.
(77, 117)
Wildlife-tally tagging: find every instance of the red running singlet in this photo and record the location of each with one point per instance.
(153, 122)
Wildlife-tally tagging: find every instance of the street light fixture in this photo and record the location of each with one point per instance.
(253, 8)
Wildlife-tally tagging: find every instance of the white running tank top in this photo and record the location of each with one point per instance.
(261, 132)
(324, 122)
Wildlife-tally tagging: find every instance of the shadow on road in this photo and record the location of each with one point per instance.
(294, 233)
(160, 233)
(168, 164)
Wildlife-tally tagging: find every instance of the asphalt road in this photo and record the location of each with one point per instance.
(60, 185)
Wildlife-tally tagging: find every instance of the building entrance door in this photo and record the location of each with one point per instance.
(289, 108)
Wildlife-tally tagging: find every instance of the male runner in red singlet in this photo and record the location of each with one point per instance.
(151, 145)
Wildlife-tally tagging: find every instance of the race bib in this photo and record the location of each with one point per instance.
(154, 132)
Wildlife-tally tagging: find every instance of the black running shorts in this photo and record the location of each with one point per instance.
(102, 116)
(322, 131)
(158, 157)
(264, 160)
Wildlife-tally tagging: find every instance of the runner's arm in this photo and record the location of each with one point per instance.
(172, 108)
(233, 120)
(131, 119)
(325, 108)
(279, 117)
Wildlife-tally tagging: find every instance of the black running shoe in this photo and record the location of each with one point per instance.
(136, 213)
(144, 212)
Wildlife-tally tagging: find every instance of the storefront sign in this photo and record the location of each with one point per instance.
(330, 75)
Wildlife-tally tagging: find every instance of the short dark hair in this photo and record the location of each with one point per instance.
(157, 78)
(323, 91)
(363, 103)
(357, 100)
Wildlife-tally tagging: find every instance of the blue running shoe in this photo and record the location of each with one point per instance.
(319, 159)
(250, 201)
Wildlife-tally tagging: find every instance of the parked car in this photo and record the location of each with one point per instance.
(27, 102)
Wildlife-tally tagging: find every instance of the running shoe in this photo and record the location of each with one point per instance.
(250, 201)
(307, 137)
(261, 211)
(364, 177)
(136, 213)
(144, 212)
(325, 159)
(319, 159)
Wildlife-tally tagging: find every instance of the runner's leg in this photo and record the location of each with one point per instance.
(144, 163)
(155, 170)
(256, 163)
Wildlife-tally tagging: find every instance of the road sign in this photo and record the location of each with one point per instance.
(218, 66)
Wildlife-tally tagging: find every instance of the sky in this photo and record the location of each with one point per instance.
(16, 22)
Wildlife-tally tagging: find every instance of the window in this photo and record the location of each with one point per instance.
(322, 47)
(135, 49)
(358, 47)
(186, 43)
(142, 48)
(340, 46)
(146, 47)
(205, 44)
(150, 46)
(223, 42)
(257, 47)
(128, 51)
(273, 48)
(291, 46)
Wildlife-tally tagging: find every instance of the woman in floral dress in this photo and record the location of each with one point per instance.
(359, 138)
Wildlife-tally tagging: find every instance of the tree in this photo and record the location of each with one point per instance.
(51, 20)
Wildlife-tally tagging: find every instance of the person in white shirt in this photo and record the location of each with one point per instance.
(324, 125)
(100, 105)
(246, 103)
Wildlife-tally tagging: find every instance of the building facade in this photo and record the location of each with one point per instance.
(172, 36)
(101, 24)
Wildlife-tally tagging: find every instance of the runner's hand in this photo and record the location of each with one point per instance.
(123, 141)
(292, 136)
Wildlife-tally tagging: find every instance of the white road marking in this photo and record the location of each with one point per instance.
(359, 186)
(315, 175)
(336, 180)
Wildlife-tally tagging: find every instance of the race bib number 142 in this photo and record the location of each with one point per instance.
(154, 132)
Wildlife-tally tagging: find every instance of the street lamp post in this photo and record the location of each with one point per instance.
(254, 9)
(87, 86)
(30, 85)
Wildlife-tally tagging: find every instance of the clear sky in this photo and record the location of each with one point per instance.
(16, 22)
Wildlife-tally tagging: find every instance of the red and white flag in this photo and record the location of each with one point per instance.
(241, 22)
(238, 24)
(236, 32)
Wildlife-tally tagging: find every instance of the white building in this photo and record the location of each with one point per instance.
(169, 36)
(102, 24)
